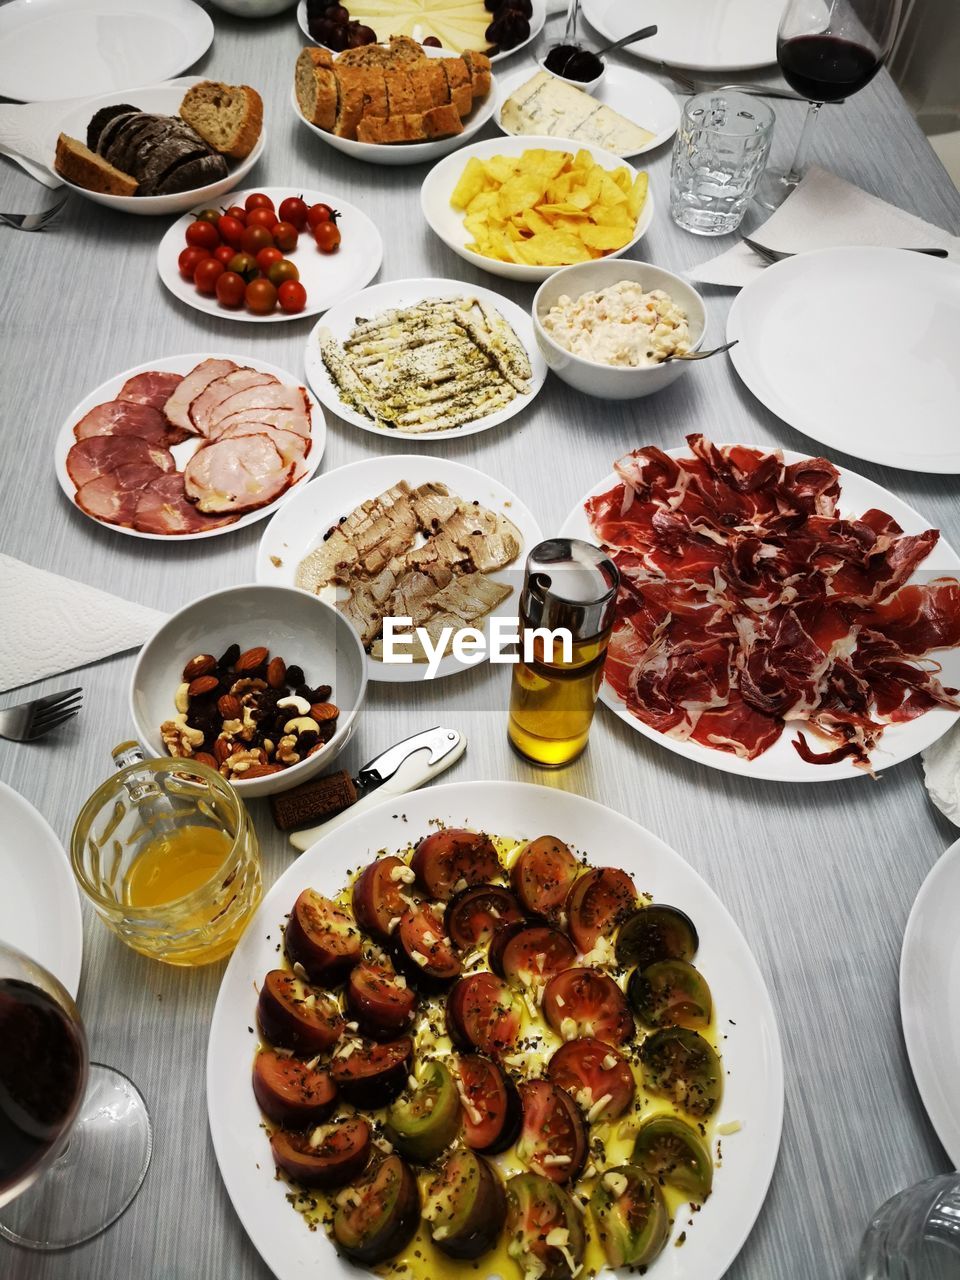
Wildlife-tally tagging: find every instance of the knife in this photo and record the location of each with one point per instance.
(403, 767)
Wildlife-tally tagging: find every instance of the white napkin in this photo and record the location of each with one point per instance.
(824, 212)
(941, 770)
(51, 624)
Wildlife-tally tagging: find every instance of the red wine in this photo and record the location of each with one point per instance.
(825, 68)
(42, 1068)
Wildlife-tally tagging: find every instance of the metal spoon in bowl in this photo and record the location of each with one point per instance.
(643, 34)
(702, 355)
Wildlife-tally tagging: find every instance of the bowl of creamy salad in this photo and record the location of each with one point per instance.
(607, 327)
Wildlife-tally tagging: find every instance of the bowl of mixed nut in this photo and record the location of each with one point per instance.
(262, 683)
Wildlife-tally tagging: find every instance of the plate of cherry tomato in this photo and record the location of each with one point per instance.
(269, 255)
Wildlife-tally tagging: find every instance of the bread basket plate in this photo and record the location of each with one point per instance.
(405, 23)
(327, 277)
(448, 224)
(407, 152)
(368, 304)
(164, 99)
(110, 389)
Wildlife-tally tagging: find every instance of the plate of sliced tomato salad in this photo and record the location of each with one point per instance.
(505, 1028)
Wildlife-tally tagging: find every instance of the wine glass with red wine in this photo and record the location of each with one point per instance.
(827, 50)
(75, 1136)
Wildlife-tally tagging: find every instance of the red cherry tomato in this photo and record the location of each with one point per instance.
(207, 274)
(285, 236)
(189, 259)
(224, 254)
(203, 235)
(318, 213)
(262, 218)
(260, 297)
(257, 201)
(267, 258)
(239, 212)
(280, 271)
(243, 264)
(292, 296)
(256, 238)
(294, 209)
(327, 236)
(230, 229)
(230, 289)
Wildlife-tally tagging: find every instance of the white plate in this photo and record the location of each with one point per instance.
(536, 26)
(930, 997)
(299, 528)
(447, 222)
(77, 48)
(340, 320)
(183, 452)
(753, 1089)
(780, 762)
(40, 905)
(823, 344)
(165, 100)
(704, 35)
(327, 277)
(636, 96)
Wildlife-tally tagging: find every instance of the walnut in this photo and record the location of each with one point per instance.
(286, 749)
(179, 738)
(231, 727)
(245, 684)
(237, 764)
(248, 732)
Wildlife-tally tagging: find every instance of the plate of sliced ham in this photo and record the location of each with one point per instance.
(189, 446)
(779, 617)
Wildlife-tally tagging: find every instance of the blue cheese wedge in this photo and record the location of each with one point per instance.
(549, 107)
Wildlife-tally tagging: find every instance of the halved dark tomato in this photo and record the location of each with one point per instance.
(425, 1120)
(444, 858)
(423, 952)
(483, 1013)
(553, 1140)
(597, 903)
(539, 1211)
(585, 1002)
(322, 937)
(679, 1064)
(380, 1214)
(330, 1156)
(378, 894)
(466, 1206)
(542, 875)
(291, 1093)
(596, 1075)
(379, 999)
(372, 1075)
(294, 1015)
(492, 1114)
(631, 1216)
(475, 914)
(672, 1152)
(530, 954)
(670, 993)
(656, 932)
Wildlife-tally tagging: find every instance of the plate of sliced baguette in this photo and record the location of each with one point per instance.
(163, 149)
(395, 103)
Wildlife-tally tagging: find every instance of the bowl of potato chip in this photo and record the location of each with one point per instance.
(525, 207)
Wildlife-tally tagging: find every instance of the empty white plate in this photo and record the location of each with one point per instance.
(858, 348)
(704, 35)
(74, 48)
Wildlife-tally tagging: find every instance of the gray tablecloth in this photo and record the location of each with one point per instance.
(819, 877)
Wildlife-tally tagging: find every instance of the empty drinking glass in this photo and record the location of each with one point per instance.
(916, 1234)
(719, 154)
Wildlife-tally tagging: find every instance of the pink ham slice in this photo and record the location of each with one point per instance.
(113, 497)
(291, 446)
(239, 474)
(124, 418)
(265, 398)
(153, 388)
(295, 419)
(205, 410)
(163, 508)
(98, 455)
(177, 408)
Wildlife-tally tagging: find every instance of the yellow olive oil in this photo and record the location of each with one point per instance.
(174, 864)
(552, 701)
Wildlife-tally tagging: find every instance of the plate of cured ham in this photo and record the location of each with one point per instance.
(779, 617)
(189, 446)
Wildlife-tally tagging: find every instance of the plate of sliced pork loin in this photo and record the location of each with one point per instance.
(190, 446)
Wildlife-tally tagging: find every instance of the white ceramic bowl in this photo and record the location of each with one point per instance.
(447, 222)
(254, 8)
(165, 100)
(588, 86)
(606, 381)
(296, 625)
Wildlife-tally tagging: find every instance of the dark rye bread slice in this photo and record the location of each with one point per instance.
(102, 118)
(119, 145)
(135, 144)
(110, 130)
(187, 174)
(160, 151)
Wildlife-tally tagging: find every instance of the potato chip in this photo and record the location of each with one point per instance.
(471, 183)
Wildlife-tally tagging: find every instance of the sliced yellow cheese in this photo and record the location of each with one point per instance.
(549, 107)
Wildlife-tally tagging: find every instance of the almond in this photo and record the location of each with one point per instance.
(202, 665)
(262, 771)
(251, 660)
(204, 757)
(222, 749)
(202, 685)
(277, 673)
(230, 707)
(321, 711)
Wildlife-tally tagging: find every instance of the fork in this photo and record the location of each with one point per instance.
(689, 85)
(33, 221)
(777, 255)
(701, 355)
(31, 720)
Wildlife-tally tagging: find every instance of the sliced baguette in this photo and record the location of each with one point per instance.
(316, 87)
(228, 117)
(401, 51)
(478, 64)
(442, 122)
(84, 168)
(397, 128)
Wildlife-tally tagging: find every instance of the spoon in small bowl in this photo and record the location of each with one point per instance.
(576, 50)
(701, 355)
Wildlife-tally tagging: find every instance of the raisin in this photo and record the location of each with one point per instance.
(306, 740)
(295, 676)
(229, 658)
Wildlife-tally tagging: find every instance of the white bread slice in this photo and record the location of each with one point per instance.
(84, 168)
(228, 117)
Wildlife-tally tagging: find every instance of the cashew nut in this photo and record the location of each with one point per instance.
(301, 705)
(301, 724)
(182, 701)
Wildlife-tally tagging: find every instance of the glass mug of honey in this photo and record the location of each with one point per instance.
(168, 856)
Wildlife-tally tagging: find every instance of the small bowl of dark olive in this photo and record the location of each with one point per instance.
(575, 65)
